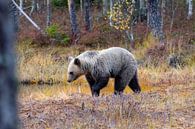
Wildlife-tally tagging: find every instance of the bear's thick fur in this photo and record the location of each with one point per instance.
(99, 66)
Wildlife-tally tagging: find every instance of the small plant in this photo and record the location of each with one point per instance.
(66, 39)
(53, 31)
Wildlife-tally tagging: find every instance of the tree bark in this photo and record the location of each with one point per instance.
(73, 20)
(34, 6)
(105, 7)
(142, 10)
(189, 2)
(13, 14)
(81, 6)
(87, 15)
(111, 11)
(33, 23)
(155, 19)
(99, 8)
(48, 13)
(21, 5)
(8, 81)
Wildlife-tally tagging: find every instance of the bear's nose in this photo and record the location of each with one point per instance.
(68, 80)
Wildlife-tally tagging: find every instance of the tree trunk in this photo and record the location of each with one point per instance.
(111, 8)
(130, 38)
(189, 2)
(48, 13)
(34, 24)
(99, 9)
(21, 5)
(142, 10)
(155, 19)
(8, 81)
(13, 13)
(81, 6)
(174, 5)
(34, 6)
(105, 7)
(87, 15)
(73, 20)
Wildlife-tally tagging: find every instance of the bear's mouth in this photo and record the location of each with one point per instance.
(71, 80)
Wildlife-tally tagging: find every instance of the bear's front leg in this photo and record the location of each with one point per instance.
(101, 83)
(90, 81)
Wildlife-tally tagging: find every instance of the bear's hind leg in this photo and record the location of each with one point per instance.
(134, 85)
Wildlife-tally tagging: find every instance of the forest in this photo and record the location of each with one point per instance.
(38, 37)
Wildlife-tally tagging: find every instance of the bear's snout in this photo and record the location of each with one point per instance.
(69, 81)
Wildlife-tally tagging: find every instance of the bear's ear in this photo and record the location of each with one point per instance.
(77, 62)
(70, 58)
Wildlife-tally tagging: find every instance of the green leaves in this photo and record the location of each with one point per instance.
(53, 31)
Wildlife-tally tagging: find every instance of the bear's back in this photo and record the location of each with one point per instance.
(115, 59)
(116, 53)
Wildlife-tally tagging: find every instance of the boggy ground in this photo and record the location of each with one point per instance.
(160, 107)
(167, 99)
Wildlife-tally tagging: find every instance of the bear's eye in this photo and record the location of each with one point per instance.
(71, 73)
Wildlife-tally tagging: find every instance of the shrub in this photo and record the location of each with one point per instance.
(65, 39)
(60, 3)
(53, 31)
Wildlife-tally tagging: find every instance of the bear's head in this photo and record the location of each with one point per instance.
(74, 69)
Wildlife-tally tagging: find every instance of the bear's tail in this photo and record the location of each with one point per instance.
(134, 85)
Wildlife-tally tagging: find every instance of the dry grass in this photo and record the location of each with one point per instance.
(172, 108)
(167, 100)
(49, 64)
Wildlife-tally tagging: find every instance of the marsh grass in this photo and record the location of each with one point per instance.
(167, 99)
(172, 108)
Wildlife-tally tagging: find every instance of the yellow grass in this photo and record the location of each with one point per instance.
(167, 98)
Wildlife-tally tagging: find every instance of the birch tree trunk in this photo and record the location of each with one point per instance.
(81, 6)
(190, 6)
(73, 19)
(29, 19)
(111, 8)
(87, 15)
(21, 5)
(105, 7)
(155, 19)
(8, 82)
(48, 13)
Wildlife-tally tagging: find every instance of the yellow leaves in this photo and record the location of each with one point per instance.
(121, 15)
